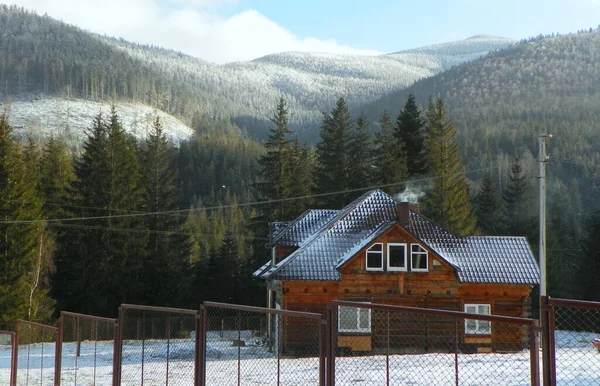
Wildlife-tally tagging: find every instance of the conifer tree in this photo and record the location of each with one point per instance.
(518, 197)
(360, 156)
(410, 131)
(19, 243)
(389, 158)
(488, 207)
(105, 267)
(333, 153)
(165, 261)
(223, 279)
(275, 165)
(56, 178)
(303, 180)
(448, 203)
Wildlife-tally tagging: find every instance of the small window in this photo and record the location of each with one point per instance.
(375, 257)
(478, 327)
(354, 319)
(396, 257)
(418, 258)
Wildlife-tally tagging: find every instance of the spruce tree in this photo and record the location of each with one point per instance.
(410, 131)
(56, 178)
(333, 153)
(360, 160)
(519, 215)
(165, 262)
(488, 207)
(105, 266)
(19, 243)
(448, 202)
(303, 181)
(275, 165)
(389, 158)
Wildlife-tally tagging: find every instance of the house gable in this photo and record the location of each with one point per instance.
(396, 236)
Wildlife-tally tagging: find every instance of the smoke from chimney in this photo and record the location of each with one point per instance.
(410, 194)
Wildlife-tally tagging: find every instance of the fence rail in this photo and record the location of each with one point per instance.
(352, 343)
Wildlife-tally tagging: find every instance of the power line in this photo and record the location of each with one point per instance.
(247, 204)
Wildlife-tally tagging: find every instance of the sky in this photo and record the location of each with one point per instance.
(222, 31)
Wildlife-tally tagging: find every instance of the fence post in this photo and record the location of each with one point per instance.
(332, 316)
(58, 351)
(118, 349)
(13, 362)
(547, 333)
(200, 348)
(534, 354)
(322, 349)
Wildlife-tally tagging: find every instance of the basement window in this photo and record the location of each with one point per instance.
(396, 257)
(478, 327)
(354, 319)
(375, 257)
(418, 258)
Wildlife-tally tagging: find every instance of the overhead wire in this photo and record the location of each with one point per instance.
(246, 204)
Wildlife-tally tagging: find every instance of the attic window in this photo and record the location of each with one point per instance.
(418, 258)
(375, 257)
(396, 257)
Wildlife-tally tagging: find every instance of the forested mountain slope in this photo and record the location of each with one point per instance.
(501, 103)
(42, 56)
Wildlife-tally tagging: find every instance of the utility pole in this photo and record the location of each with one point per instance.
(542, 177)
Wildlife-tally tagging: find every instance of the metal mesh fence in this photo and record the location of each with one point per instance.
(6, 356)
(35, 353)
(157, 346)
(250, 345)
(575, 349)
(386, 345)
(87, 349)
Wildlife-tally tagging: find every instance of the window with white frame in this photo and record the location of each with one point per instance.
(478, 327)
(418, 258)
(396, 257)
(354, 319)
(375, 257)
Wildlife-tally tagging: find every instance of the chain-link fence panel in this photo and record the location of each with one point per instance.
(388, 345)
(87, 347)
(251, 345)
(7, 340)
(35, 353)
(157, 346)
(575, 350)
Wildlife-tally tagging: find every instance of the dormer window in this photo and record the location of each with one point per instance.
(375, 257)
(418, 258)
(396, 257)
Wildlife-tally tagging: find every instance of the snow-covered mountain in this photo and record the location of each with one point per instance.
(311, 82)
(46, 58)
(69, 119)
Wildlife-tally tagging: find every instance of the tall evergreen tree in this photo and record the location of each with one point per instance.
(389, 157)
(223, 278)
(360, 160)
(275, 165)
(519, 206)
(56, 178)
(105, 267)
(488, 207)
(303, 181)
(19, 243)
(333, 153)
(165, 262)
(448, 203)
(410, 129)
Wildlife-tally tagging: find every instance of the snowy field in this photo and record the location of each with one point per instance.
(578, 363)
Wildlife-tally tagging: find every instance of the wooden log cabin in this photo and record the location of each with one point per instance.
(377, 250)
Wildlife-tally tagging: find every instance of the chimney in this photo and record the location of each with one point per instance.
(402, 213)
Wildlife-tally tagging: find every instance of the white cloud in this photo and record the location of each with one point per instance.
(194, 27)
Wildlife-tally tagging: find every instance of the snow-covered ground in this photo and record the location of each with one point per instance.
(576, 359)
(43, 117)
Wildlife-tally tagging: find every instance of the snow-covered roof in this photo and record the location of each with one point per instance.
(328, 239)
